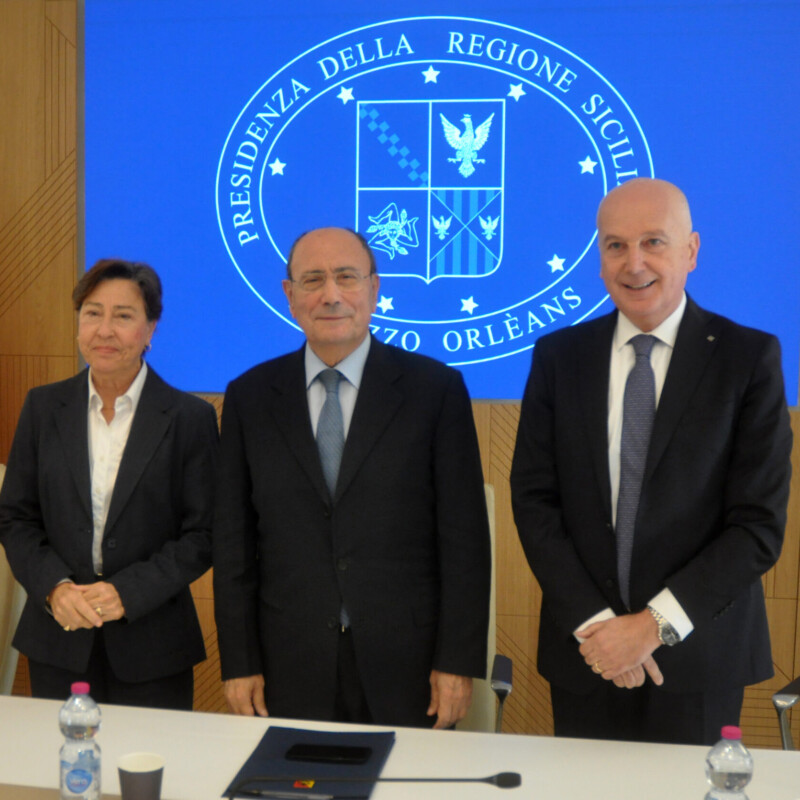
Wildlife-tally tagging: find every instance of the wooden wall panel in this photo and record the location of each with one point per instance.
(782, 587)
(60, 52)
(38, 199)
(38, 320)
(38, 230)
(207, 681)
(38, 205)
(22, 91)
(527, 710)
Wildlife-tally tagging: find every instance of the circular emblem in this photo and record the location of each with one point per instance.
(472, 156)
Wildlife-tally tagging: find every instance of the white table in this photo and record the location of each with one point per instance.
(204, 751)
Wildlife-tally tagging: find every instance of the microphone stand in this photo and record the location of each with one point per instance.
(501, 685)
(503, 780)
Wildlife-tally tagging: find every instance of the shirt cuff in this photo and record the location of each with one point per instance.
(668, 606)
(605, 614)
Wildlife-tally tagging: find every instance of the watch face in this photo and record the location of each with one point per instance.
(668, 634)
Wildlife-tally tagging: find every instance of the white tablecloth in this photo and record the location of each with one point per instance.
(204, 751)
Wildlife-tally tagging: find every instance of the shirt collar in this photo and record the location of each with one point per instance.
(351, 366)
(133, 393)
(666, 332)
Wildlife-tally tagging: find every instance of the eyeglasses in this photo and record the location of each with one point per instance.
(346, 280)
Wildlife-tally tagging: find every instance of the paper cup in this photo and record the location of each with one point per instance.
(140, 776)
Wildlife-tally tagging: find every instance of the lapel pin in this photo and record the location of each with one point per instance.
(711, 338)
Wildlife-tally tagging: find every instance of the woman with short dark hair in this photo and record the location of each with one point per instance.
(105, 513)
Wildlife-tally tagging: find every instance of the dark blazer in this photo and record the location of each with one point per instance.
(157, 536)
(404, 542)
(712, 510)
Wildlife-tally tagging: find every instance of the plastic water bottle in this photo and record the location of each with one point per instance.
(79, 720)
(729, 766)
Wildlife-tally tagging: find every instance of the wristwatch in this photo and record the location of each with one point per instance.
(666, 633)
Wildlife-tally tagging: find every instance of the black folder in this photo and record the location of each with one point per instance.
(290, 778)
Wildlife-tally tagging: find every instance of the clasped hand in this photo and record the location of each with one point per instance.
(85, 605)
(620, 649)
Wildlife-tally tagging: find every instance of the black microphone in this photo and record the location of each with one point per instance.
(503, 780)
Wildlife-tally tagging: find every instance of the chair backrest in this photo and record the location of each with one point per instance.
(784, 700)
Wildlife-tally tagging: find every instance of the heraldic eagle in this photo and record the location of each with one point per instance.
(468, 143)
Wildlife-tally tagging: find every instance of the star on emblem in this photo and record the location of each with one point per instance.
(468, 304)
(345, 95)
(277, 166)
(587, 165)
(516, 91)
(431, 74)
(556, 264)
(386, 304)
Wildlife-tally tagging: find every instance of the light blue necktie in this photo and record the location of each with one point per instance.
(330, 428)
(330, 442)
(639, 410)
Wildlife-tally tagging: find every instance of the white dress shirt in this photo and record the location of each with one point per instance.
(622, 361)
(107, 442)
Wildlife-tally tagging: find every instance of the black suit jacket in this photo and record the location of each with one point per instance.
(404, 543)
(713, 505)
(157, 536)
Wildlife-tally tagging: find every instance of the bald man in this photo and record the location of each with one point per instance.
(355, 591)
(649, 487)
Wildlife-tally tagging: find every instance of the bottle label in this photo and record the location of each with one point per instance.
(78, 780)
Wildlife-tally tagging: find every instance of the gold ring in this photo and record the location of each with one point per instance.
(99, 610)
(66, 628)
(596, 667)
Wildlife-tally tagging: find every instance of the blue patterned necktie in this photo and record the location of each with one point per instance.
(330, 428)
(639, 410)
(330, 442)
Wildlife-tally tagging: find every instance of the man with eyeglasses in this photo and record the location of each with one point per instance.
(351, 544)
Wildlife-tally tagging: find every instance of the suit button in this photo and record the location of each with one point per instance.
(326, 513)
(341, 564)
(333, 622)
(111, 543)
(610, 583)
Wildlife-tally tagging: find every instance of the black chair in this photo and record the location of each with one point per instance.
(783, 701)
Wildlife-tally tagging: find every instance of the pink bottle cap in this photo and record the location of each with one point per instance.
(731, 732)
(80, 687)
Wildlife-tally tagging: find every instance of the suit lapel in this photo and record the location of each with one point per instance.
(289, 408)
(595, 359)
(150, 423)
(379, 399)
(72, 424)
(694, 346)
